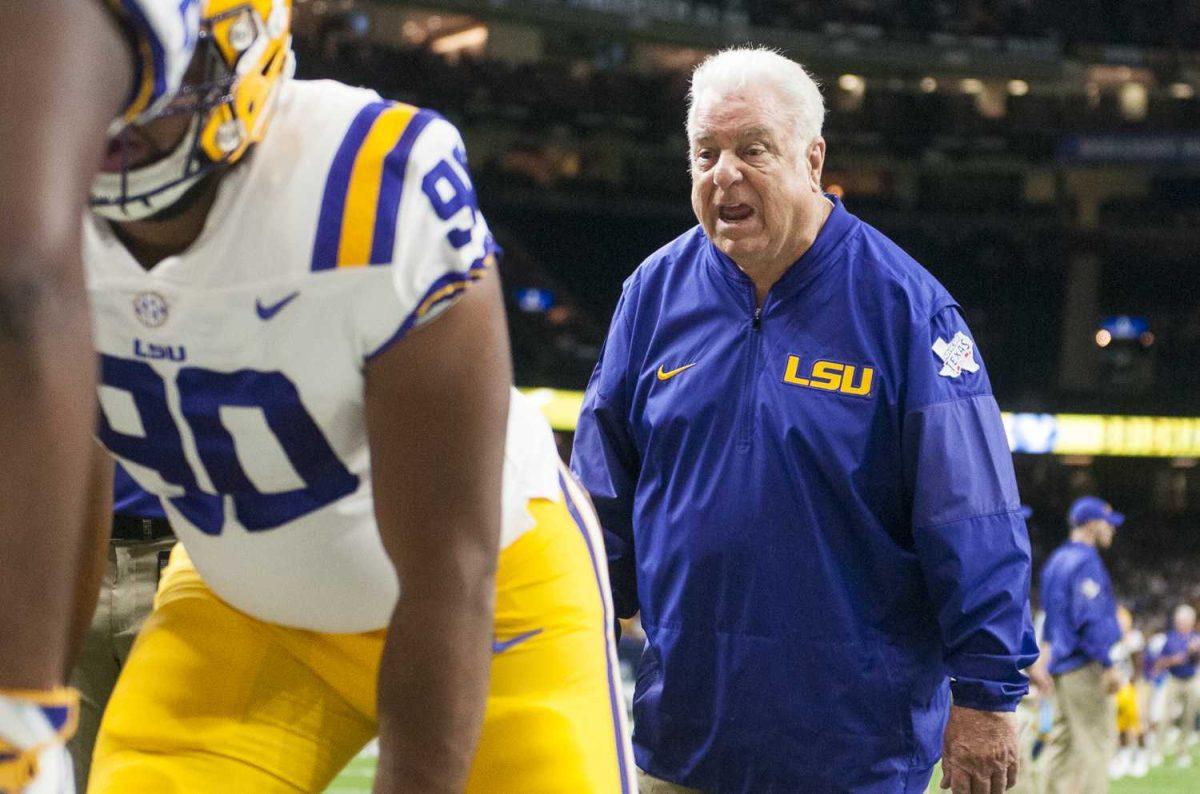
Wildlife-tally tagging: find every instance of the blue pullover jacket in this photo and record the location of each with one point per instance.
(1081, 610)
(813, 506)
(1177, 643)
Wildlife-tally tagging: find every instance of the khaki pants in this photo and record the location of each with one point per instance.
(1028, 715)
(126, 597)
(1181, 693)
(648, 784)
(1083, 737)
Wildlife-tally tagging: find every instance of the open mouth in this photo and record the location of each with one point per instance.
(126, 151)
(733, 213)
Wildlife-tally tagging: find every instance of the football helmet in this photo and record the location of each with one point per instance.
(243, 57)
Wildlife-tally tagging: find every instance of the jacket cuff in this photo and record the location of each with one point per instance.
(987, 695)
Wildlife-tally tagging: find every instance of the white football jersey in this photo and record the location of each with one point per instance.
(232, 374)
(163, 34)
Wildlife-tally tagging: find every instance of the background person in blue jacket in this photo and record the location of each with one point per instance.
(1180, 655)
(1081, 629)
(805, 483)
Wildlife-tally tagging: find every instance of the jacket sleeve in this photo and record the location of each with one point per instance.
(969, 534)
(1094, 612)
(607, 462)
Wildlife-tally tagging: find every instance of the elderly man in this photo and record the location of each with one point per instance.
(804, 482)
(1180, 655)
(1081, 630)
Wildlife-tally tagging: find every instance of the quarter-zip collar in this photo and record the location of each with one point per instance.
(819, 255)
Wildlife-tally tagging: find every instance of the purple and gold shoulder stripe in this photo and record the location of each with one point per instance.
(361, 201)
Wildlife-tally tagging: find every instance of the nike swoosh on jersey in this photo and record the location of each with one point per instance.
(500, 646)
(267, 312)
(668, 375)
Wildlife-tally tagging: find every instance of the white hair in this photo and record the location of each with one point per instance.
(1185, 613)
(732, 71)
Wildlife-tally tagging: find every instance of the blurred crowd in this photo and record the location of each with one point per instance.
(574, 124)
(1146, 22)
(1091, 21)
(552, 132)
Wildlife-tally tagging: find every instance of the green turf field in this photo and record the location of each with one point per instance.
(1166, 779)
(1163, 780)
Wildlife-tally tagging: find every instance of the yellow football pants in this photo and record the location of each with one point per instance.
(213, 700)
(1129, 719)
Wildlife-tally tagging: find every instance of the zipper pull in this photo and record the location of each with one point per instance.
(756, 323)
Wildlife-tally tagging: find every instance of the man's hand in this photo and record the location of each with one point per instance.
(1040, 677)
(979, 752)
(1111, 682)
(1167, 662)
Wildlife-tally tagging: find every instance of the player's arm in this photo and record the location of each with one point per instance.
(606, 461)
(436, 407)
(66, 70)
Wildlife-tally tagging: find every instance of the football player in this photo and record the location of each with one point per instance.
(70, 67)
(303, 353)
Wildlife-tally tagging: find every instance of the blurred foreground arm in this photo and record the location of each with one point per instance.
(67, 70)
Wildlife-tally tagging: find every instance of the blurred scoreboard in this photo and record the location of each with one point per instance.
(1035, 434)
(1099, 434)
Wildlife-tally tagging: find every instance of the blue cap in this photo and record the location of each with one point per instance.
(1090, 508)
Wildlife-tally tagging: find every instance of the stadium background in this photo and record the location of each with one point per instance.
(1041, 158)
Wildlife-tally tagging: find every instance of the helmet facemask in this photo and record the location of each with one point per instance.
(243, 57)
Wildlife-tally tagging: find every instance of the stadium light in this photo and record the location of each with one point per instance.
(1134, 101)
(852, 84)
(413, 32)
(1018, 87)
(929, 85)
(1181, 91)
(971, 86)
(451, 43)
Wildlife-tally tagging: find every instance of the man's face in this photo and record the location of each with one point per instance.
(144, 144)
(1104, 534)
(752, 180)
(1185, 623)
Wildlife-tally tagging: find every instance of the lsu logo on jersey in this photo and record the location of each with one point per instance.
(832, 376)
(155, 352)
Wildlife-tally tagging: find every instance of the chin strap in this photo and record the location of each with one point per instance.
(32, 722)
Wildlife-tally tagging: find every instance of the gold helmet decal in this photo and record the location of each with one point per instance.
(253, 40)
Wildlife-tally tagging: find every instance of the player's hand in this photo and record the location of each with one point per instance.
(1111, 683)
(979, 752)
